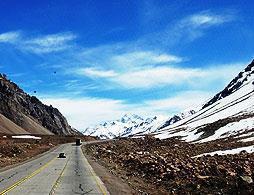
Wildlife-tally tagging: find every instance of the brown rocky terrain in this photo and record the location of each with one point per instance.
(13, 151)
(153, 166)
(29, 113)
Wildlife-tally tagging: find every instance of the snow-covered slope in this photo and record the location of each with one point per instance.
(228, 113)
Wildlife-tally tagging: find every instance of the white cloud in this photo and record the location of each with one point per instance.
(39, 44)
(159, 76)
(188, 29)
(204, 19)
(143, 77)
(156, 76)
(49, 43)
(86, 111)
(54, 39)
(131, 69)
(93, 72)
(141, 58)
(180, 102)
(193, 26)
(9, 37)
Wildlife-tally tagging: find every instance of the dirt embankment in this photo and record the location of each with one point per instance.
(13, 151)
(166, 167)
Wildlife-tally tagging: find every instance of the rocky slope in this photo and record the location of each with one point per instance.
(176, 118)
(230, 113)
(30, 113)
(9, 127)
(171, 166)
(239, 81)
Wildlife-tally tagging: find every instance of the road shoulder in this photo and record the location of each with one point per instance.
(114, 184)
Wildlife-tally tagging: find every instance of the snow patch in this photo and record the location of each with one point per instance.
(231, 129)
(248, 149)
(249, 139)
(25, 137)
(186, 135)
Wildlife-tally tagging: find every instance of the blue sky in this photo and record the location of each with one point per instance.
(97, 60)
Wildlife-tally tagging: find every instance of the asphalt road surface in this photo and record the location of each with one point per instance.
(51, 175)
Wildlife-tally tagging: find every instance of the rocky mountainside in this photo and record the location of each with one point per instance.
(176, 118)
(239, 81)
(230, 113)
(30, 113)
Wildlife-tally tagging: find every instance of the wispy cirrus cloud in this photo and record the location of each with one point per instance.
(49, 43)
(151, 77)
(125, 55)
(194, 26)
(9, 37)
(39, 44)
(205, 19)
(189, 28)
(160, 76)
(132, 69)
(97, 73)
(141, 58)
(179, 101)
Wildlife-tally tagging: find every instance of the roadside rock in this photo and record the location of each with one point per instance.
(169, 164)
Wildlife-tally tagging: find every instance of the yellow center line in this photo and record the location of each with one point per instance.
(57, 182)
(26, 178)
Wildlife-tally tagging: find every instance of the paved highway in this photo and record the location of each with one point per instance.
(51, 175)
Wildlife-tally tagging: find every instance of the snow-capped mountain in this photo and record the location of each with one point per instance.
(131, 124)
(228, 113)
(112, 129)
(148, 125)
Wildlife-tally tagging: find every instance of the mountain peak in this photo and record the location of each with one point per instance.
(245, 77)
(131, 117)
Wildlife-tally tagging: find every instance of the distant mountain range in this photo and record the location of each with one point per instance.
(229, 113)
(21, 113)
(132, 124)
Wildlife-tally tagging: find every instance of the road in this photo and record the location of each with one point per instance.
(51, 175)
